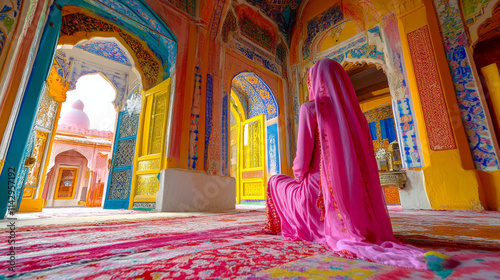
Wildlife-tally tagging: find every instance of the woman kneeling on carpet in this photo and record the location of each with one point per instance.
(336, 197)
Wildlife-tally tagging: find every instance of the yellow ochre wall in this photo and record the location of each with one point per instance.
(451, 182)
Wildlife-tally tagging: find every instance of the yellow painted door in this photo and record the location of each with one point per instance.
(252, 149)
(150, 149)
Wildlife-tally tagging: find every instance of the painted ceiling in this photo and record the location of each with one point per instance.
(282, 12)
(105, 48)
(259, 98)
(136, 18)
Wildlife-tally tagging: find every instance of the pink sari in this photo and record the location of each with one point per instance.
(356, 221)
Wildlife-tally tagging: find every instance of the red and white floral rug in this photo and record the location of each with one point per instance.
(231, 246)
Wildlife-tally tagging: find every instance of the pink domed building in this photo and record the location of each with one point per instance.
(78, 166)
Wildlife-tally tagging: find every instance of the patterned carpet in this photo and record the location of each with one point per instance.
(232, 246)
(74, 212)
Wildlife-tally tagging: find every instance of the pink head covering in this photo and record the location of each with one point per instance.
(356, 217)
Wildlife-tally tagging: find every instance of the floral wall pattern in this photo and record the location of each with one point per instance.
(258, 96)
(471, 108)
(256, 28)
(194, 124)
(107, 49)
(273, 163)
(147, 63)
(437, 120)
(208, 117)
(225, 135)
(319, 24)
(9, 12)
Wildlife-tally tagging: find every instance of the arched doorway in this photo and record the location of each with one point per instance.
(153, 50)
(254, 139)
(86, 125)
(68, 180)
(373, 93)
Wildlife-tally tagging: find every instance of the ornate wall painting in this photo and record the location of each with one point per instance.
(105, 48)
(9, 12)
(47, 111)
(214, 148)
(216, 18)
(225, 135)
(320, 23)
(188, 6)
(258, 95)
(136, 18)
(282, 12)
(239, 64)
(147, 63)
(256, 55)
(471, 108)
(273, 158)
(194, 124)
(256, 28)
(354, 51)
(435, 111)
(208, 117)
(408, 134)
(229, 25)
(63, 63)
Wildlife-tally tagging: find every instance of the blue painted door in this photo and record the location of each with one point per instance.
(120, 177)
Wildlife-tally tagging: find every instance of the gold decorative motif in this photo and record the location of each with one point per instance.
(57, 86)
(46, 111)
(145, 165)
(156, 125)
(41, 139)
(29, 192)
(255, 189)
(393, 178)
(147, 185)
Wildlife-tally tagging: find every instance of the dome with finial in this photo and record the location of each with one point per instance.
(75, 116)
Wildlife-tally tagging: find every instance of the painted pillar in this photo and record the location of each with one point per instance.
(471, 100)
(14, 75)
(27, 112)
(188, 82)
(450, 179)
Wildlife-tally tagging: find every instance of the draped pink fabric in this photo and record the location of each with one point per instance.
(341, 157)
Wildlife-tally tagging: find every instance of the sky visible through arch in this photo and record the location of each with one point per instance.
(97, 94)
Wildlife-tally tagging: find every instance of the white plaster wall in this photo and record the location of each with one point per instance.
(414, 196)
(194, 191)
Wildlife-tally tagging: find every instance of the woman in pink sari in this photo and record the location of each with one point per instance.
(336, 197)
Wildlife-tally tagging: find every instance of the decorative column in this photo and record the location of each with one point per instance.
(450, 178)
